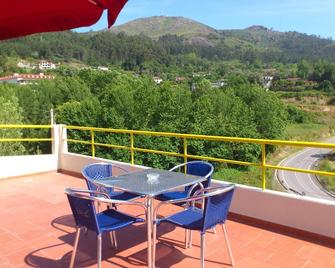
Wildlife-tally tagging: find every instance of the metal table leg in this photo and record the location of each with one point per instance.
(149, 203)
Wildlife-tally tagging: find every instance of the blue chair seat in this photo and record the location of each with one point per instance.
(122, 195)
(172, 195)
(111, 219)
(191, 218)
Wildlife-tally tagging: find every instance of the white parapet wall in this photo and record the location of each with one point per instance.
(14, 166)
(299, 212)
(74, 163)
(303, 213)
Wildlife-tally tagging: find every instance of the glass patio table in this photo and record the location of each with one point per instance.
(138, 183)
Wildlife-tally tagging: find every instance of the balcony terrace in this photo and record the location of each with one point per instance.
(266, 228)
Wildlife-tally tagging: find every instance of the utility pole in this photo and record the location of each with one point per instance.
(52, 120)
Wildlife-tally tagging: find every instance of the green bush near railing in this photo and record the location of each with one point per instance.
(25, 139)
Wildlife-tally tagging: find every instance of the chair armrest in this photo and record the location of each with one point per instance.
(193, 187)
(84, 191)
(220, 189)
(195, 197)
(86, 194)
(178, 166)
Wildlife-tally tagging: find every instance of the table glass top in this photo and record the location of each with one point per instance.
(137, 182)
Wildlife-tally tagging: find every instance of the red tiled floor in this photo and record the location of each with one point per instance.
(37, 230)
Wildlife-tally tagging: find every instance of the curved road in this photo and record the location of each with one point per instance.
(303, 183)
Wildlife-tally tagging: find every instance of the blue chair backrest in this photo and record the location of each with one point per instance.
(216, 209)
(199, 168)
(84, 213)
(96, 171)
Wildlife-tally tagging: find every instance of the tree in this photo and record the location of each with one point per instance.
(10, 113)
(326, 86)
(304, 69)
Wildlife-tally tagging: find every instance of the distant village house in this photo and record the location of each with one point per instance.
(46, 65)
(218, 84)
(103, 68)
(181, 78)
(25, 65)
(25, 79)
(267, 81)
(157, 80)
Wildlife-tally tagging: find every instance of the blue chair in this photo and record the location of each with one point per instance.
(96, 171)
(83, 210)
(198, 168)
(215, 211)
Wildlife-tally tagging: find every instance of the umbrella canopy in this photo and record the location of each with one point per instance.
(23, 17)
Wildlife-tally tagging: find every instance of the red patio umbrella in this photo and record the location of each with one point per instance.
(24, 17)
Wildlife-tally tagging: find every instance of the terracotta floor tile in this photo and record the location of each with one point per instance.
(18, 257)
(37, 230)
(322, 256)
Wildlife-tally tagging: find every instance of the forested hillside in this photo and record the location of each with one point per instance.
(117, 99)
(173, 40)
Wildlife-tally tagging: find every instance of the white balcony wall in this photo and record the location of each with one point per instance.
(299, 212)
(14, 166)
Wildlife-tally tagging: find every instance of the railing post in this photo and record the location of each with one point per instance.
(185, 150)
(92, 143)
(132, 154)
(185, 153)
(263, 167)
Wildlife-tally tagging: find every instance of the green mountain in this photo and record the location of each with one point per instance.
(155, 27)
(169, 41)
(292, 45)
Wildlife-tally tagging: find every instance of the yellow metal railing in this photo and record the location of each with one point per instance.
(25, 127)
(185, 137)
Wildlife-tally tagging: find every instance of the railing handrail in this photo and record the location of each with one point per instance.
(209, 137)
(185, 137)
(10, 126)
(262, 142)
(25, 126)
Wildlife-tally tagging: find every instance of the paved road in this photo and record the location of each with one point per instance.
(303, 183)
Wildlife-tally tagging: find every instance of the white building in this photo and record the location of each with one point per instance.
(267, 82)
(25, 64)
(46, 65)
(157, 80)
(25, 79)
(103, 68)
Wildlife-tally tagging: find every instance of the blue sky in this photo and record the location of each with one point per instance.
(306, 16)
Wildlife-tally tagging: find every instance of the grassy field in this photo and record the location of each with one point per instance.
(320, 109)
(252, 176)
(328, 164)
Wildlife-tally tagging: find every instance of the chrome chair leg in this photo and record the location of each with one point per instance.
(190, 239)
(186, 238)
(111, 239)
(114, 239)
(202, 260)
(85, 230)
(75, 248)
(228, 245)
(154, 239)
(99, 250)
